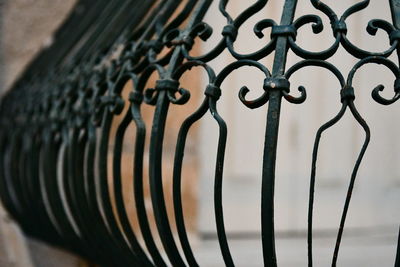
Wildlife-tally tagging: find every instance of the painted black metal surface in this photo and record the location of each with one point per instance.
(56, 121)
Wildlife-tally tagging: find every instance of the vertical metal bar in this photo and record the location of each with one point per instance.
(271, 141)
(138, 186)
(118, 192)
(156, 184)
(364, 125)
(178, 161)
(395, 9)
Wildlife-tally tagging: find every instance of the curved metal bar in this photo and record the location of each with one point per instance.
(16, 173)
(364, 125)
(219, 167)
(222, 9)
(317, 63)
(47, 229)
(318, 136)
(324, 8)
(13, 177)
(138, 185)
(22, 177)
(109, 216)
(107, 224)
(360, 53)
(160, 99)
(114, 105)
(302, 90)
(6, 196)
(261, 53)
(156, 188)
(117, 249)
(244, 90)
(76, 178)
(51, 189)
(377, 60)
(67, 190)
(355, 8)
(77, 205)
(118, 194)
(317, 27)
(37, 186)
(90, 179)
(178, 159)
(375, 93)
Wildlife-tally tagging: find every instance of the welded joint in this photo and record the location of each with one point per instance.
(339, 26)
(284, 30)
(230, 31)
(213, 91)
(167, 85)
(347, 93)
(276, 83)
(394, 36)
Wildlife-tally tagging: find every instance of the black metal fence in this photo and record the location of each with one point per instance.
(56, 120)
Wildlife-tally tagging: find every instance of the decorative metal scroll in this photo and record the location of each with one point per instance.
(56, 120)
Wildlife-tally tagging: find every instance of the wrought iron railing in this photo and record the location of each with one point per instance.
(56, 120)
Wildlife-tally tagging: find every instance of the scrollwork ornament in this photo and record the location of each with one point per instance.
(376, 91)
(339, 30)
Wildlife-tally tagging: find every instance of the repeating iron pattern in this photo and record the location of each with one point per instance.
(56, 120)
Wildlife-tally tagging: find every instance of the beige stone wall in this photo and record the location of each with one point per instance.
(27, 26)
